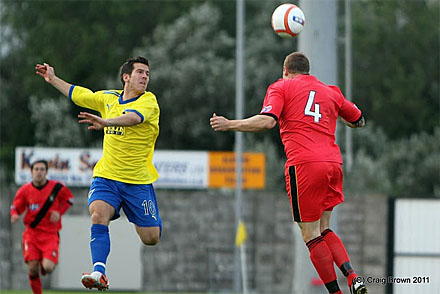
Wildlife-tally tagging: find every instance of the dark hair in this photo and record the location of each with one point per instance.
(128, 66)
(40, 161)
(297, 62)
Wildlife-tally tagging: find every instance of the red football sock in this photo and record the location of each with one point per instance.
(340, 255)
(322, 259)
(35, 283)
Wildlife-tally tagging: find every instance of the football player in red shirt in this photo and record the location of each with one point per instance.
(40, 238)
(307, 111)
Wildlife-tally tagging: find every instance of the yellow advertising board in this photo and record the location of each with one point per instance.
(222, 170)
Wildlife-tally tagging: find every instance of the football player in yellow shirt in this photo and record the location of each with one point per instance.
(124, 175)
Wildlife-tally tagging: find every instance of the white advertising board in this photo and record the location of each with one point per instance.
(181, 169)
(74, 166)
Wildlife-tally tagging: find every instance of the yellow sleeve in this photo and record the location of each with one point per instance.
(86, 98)
(147, 108)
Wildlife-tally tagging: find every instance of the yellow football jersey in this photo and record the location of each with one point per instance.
(127, 151)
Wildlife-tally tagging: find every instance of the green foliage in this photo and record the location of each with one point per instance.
(404, 167)
(86, 41)
(368, 174)
(396, 64)
(191, 47)
(192, 71)
(54, 126)
(413, 165)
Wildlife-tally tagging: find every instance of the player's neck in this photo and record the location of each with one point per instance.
(129, 94)
(291, 75)
(38, 184)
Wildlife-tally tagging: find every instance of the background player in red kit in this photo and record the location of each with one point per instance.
(40, 238)
(307, 111)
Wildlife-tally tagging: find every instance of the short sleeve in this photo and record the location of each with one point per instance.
(86, 98)
(146, 107)
(347, 109)
(274, 100)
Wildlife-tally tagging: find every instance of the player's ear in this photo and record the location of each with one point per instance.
(285, 71)
(125, 77)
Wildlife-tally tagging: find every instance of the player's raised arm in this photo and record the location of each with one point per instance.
(48, 73)
(256, 123)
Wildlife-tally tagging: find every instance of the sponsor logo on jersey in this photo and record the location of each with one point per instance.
(115, 131)
(34, 206)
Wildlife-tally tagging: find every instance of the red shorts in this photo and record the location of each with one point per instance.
(313, 188)
(38, 245)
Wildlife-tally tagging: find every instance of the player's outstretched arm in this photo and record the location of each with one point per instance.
(256, 123)
(98, 123)
(48, 73)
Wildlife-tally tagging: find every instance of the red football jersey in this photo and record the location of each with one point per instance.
(307, 111)
(32, 199)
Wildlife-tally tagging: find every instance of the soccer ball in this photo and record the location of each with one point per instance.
(288, 20)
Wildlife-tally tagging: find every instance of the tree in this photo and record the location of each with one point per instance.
(408, 167)
(394, 82)
(85, 41)
(54, 126)
(413, 165)
(192, 58)
(192, 71)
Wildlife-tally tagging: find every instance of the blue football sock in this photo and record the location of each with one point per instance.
(99, 246)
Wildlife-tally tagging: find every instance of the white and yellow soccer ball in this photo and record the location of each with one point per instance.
(288, 20)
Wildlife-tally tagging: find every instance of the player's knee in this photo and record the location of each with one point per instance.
(99, 218)
(101, 212)
(310, 234)
(150, 240)
(33, 272)
(49, 268)
(148, 235)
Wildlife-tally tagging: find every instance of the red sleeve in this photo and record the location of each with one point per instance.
(274, 101)
(347, 110)
(64, 200)
(19, 204)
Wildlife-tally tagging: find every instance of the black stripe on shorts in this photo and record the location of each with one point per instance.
(294, 194)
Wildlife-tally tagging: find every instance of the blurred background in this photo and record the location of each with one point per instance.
(392, 185)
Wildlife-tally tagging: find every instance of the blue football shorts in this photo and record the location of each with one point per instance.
(137, 200)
